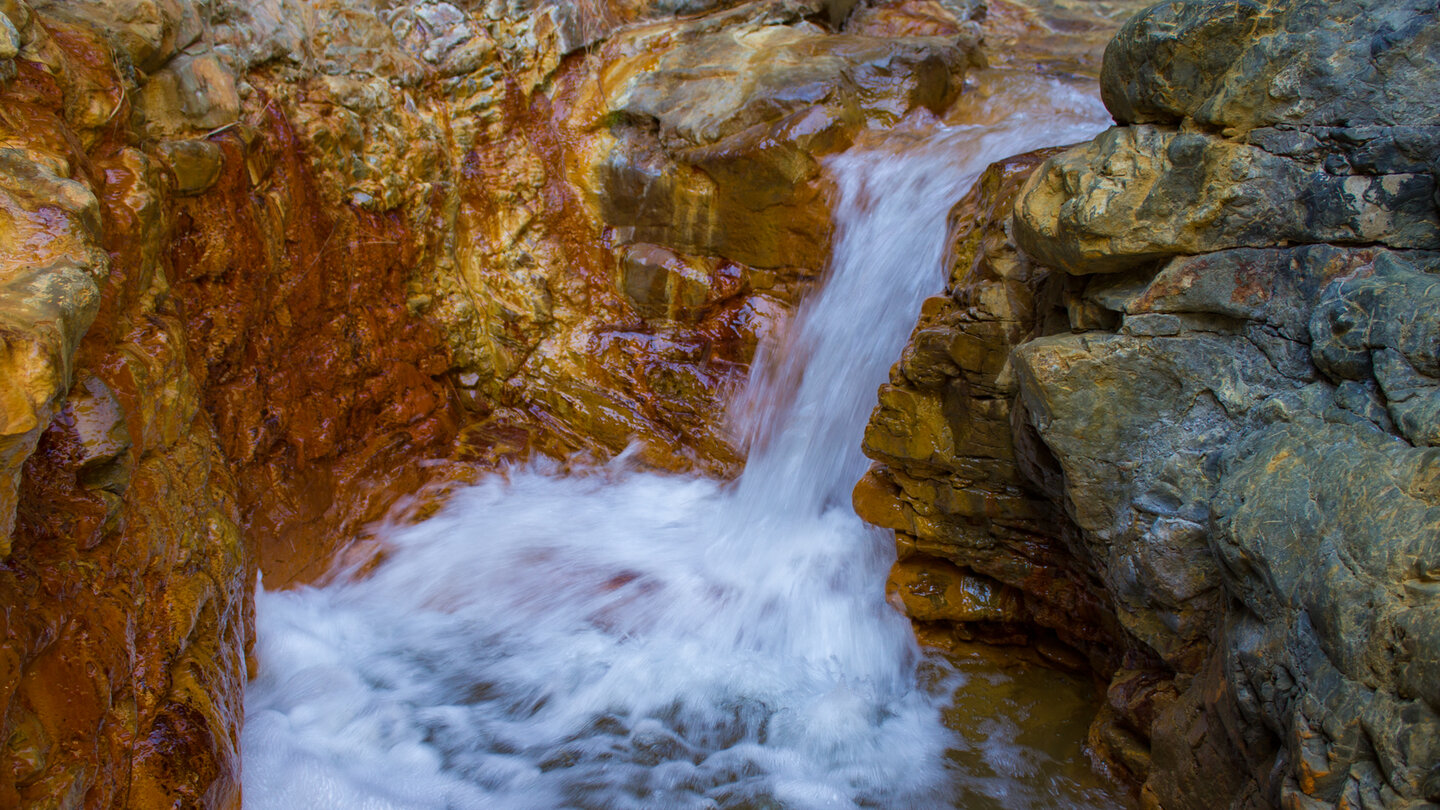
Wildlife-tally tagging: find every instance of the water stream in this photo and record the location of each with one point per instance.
(616, 638)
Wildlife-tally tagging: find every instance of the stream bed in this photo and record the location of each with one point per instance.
(613, 637)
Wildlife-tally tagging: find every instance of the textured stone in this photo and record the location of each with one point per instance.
(1136, 194)
(1330, 532)
(9, 43)
(49, 292)
(123, 672)
(911, 18)
(934, 590)
(195, 164)
(193, 92)
(147, 33)
(1259, 63)
(1237, 429)
(720, 131)
(1056, 36)
(950, 479)
(1380, 325)
(662, 284)
(315, 236)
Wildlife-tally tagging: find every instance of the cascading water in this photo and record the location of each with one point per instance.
(626, 639)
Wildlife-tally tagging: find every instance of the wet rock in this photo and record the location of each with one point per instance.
(370, 205)
(9, 43)
(727, 164)
(910, 18)
(49, 291)
(193, 92)
(934, 590)
(1378, 325)
(125, 550)
(662, 284)
(1231, 400)
(952, 480)
(195, 164)
(1056, 37)
(132, 491)
(148, 33)
(1323, 525)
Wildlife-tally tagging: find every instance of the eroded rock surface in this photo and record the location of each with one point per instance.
(1188, 395)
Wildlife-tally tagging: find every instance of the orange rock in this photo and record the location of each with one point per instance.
(291, 303)
(121, 679)
(935, 590)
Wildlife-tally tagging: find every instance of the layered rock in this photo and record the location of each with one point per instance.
(1193, 383)
(952, 484)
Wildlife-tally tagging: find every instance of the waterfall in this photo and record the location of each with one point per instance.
(616, 638)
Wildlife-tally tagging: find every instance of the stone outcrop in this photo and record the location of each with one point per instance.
(1182, 409)
(1187, 192)
(952, 484)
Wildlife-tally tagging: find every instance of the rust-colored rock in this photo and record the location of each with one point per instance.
(132, 550)
(964, 482)
(122, 673)
(322, 385)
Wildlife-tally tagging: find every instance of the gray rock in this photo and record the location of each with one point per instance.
(1238, 416)
(1329, 532)
(1383, 324)
(1134, 423)
(1255, 63)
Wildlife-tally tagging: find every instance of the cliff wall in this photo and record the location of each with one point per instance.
(1175, 420)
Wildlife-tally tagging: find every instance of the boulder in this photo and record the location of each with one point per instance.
(1257, 63)
(1225, 390)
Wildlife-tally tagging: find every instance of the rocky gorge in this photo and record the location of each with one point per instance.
(272, 268)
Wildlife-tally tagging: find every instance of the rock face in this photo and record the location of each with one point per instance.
(259, 260)
(1184, 407)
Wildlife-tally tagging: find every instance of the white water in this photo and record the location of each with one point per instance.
(624, 639)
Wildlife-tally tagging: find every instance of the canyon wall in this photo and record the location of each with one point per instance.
(1175, 420)
(269, 266)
